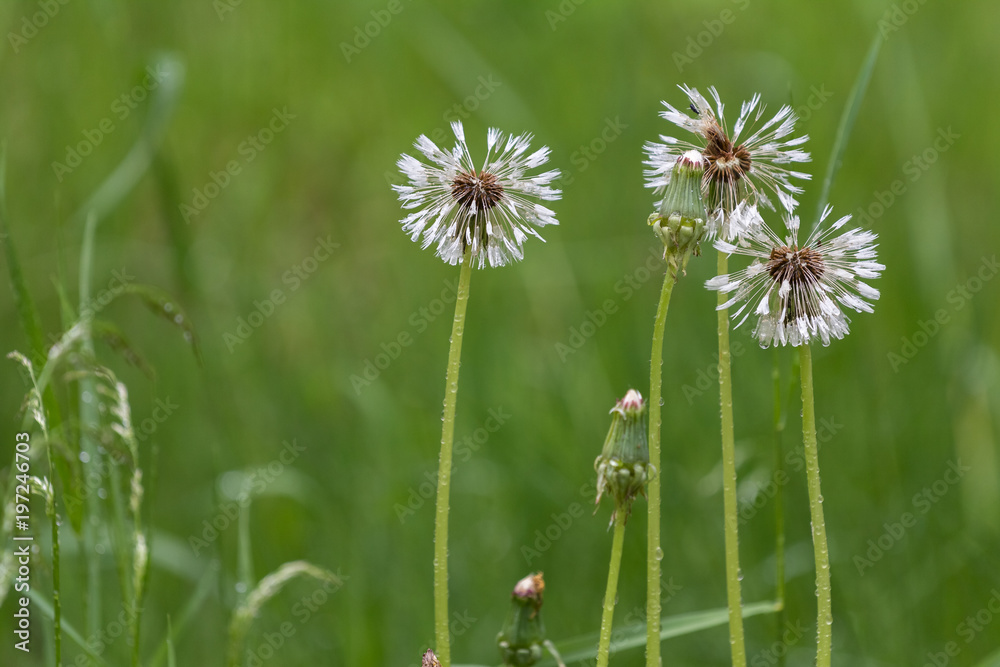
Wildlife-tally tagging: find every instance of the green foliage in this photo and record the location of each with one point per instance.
(353, 501)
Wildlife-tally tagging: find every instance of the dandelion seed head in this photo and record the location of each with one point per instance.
(742, 167)
(486, 213)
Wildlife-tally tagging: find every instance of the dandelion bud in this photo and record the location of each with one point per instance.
(430, 660)
(680, 224)
(623, 466)
(523, 634)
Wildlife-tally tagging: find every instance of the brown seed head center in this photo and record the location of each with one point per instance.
(477, 191)
(726, 162)
(802, 267)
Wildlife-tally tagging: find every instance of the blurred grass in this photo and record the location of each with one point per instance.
(326, 174)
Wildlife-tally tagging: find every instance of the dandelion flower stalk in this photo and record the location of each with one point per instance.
(680, 223)
(730, 509)
(475, 217)
(611, 593)
(824, 612)
(797, 293)
(742, 168)
(622, 471)
(444, 468)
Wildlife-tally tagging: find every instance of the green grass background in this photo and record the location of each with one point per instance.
(328, 174)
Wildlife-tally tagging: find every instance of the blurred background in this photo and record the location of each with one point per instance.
(266, 211)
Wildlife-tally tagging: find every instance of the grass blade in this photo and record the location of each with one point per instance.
(634, 635)
(268, 587)
(193, 605)
(992, 660)
(26, 310)
(140, 156)
(43, 605)
(847, 120)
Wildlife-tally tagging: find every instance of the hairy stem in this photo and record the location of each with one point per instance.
(824, 613)
(779, 504)
(444, 468)
(654, 552)
(610, 595)
(729, 482)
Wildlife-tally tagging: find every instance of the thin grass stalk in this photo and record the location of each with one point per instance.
(654, 552)
(611, 594)
(730, 510)
(443, 640)
(824, 612)
(89, 421)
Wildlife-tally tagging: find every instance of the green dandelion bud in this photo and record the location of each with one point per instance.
(623, 466)
(522, 638)
(680, 223)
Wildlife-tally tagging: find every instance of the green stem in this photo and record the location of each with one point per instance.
(824, 613)
(729, 482)
(444, 468)
(654, 552)
(779, 501)
(89, 423)
(604, 645)
(54, 523)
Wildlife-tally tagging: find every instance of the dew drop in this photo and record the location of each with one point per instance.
(658, 554)
(241, 587)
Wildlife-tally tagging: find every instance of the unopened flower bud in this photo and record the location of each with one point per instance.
(623, 466)
(523, 634)
(680, 223)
